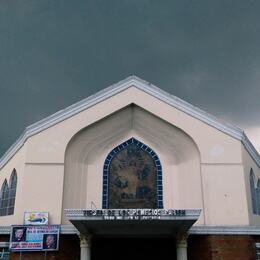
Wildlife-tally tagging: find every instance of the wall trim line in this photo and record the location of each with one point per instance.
(194, 230)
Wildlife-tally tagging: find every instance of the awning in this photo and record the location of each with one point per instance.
(132, 222)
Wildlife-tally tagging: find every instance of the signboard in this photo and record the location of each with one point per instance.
(134, 214)
(34, 238)
(36, 218)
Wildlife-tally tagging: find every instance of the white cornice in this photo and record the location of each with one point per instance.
(3, 244)
(5, 230)
(68, 230)
(224, 230)
(194, 230)
(112, 90)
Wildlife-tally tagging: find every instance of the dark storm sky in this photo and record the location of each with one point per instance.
(56, 52)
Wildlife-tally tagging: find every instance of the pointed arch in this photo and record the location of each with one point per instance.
(4, 198)
(12, 192)
(132, 177)
(258, 197)
(253, 190)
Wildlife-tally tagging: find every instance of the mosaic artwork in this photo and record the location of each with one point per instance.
(132, 179)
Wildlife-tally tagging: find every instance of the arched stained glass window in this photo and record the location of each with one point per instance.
(12, 192)
(258, 197)
(132, 177)
(4, 199)
(254, 195)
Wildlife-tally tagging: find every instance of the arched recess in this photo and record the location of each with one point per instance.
(12, 192)
(4, 199)
(88, 148)
(132, 177)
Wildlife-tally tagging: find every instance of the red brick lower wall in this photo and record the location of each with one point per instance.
(200, 247)
(4, 238)
(220, 247)
(68, 250)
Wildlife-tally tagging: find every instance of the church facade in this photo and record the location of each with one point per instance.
(134, 172)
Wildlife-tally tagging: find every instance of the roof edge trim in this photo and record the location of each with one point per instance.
(114, 89)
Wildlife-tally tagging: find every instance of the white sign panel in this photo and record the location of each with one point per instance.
(36, 218)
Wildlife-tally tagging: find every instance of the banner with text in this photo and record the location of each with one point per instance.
(34, 238)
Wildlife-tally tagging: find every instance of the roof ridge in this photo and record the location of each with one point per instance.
(116, 88)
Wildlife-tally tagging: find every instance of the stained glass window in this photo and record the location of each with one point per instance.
(132, 177)
(12, 193)
(7, 195)
(4, 199)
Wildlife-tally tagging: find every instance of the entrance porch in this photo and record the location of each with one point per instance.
(125, 232)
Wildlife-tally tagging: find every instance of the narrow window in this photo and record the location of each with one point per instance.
(12, 193)
(4, 251)
(4, 199)
(253, 192)
(257, 245)
(258, 197)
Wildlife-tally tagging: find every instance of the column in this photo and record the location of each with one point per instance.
(85, 246)
(181, 246)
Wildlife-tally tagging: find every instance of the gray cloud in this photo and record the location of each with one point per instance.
(54, 53)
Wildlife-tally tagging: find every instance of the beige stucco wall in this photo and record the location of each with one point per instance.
(224, 194)
(200, 163)
(42, 189)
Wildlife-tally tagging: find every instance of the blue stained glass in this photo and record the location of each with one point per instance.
(143, 191)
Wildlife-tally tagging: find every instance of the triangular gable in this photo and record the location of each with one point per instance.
(114, 89)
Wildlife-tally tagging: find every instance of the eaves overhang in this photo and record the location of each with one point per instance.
(114, 89)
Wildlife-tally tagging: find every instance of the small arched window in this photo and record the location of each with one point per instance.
(12, 193)
(4, 199)
(254, 192)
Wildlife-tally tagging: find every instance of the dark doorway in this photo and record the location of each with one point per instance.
(133, 248)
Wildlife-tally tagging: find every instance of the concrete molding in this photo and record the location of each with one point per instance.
(195, 230)
(68, 230)
(4, 244)
(114, 89)
(225, 230)
(5, 230)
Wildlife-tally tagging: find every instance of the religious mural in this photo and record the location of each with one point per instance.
(132, 179)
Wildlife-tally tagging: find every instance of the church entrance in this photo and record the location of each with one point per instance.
(133, 248)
